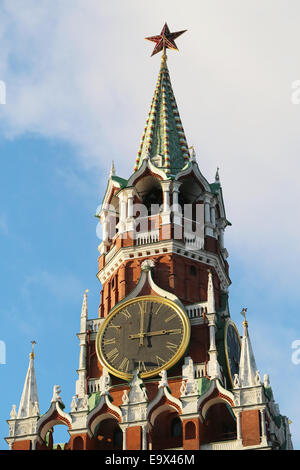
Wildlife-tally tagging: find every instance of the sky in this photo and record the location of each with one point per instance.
(79, 82)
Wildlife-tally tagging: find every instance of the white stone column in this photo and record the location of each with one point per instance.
(213, 365)
(207, 219)
(206, 210)
(213, 217)
(130, 227)
(212, 333)
(263, 423)
(144, 437)
(221, 238)
(130, 196)
(166, 214)
(177, 212)
(105, 225)
(82, 355)
(124, 438)
(122, 212)
(238, 426)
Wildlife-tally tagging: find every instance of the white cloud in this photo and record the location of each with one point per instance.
(81, 71)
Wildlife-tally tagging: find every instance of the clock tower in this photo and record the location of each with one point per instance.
(163, 366)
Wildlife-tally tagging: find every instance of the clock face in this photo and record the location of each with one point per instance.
(146, 333)
(232, 348)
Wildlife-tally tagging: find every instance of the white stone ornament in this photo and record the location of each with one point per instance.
(13, 413)
(137, 393)
(257, 378)
(189, 383)
(56, 393)
(164, 379)
(266, 380)
(125, 397)
(36, 409)
(236, 381)
(147, 265)
(74, 404)
(105, 382)
(83, 403)
(183, 388)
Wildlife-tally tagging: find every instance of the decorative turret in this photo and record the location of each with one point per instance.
(247, 369)
(29, 404)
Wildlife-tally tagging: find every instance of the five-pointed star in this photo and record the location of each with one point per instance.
(165, 40)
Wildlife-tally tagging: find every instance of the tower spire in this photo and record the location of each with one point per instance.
(164, 138)
(247, 369)
(29, 404)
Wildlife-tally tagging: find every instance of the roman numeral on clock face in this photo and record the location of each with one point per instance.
(109, 341)
(124, 365)
(126, 314)
(111, 325)
(172, 346)
(160, 361)
(141, 366)
(170, 318)
(112, 355)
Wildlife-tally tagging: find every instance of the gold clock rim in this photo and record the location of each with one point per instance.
(230, 322)
(183, 346)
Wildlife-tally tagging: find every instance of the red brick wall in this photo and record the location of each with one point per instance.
(250, 425)
(184, 277)
(22, 445)
(134, 438)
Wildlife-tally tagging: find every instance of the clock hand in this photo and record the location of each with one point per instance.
(141, 333)
(149, 326)
(154, 333)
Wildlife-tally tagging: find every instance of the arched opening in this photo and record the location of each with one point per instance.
(167, 431)
(78, 443)
(176, 427)
(150, 193)
(190, 430)
(192, 211)
(109, 435)
(57, 437)
(113, 217)
(220, 423)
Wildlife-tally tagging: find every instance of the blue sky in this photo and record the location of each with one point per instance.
(79, 81)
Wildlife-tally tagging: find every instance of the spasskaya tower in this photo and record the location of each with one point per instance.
(163, 366)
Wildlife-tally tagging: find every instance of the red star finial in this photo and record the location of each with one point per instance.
(165, 40)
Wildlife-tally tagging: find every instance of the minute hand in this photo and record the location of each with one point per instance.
(154, 333)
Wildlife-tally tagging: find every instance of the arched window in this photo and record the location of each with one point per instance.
(190, 430)
(176, 427)
(78, 443)
(193, 271)
(118, 439)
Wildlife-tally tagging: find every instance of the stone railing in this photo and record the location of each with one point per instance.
(192, 242)
(93, 325)
(223, 445)
(142, 238)
(199, 371)
(93, 386)
(196, 310)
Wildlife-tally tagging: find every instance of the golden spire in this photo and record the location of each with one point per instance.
(32, 355)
